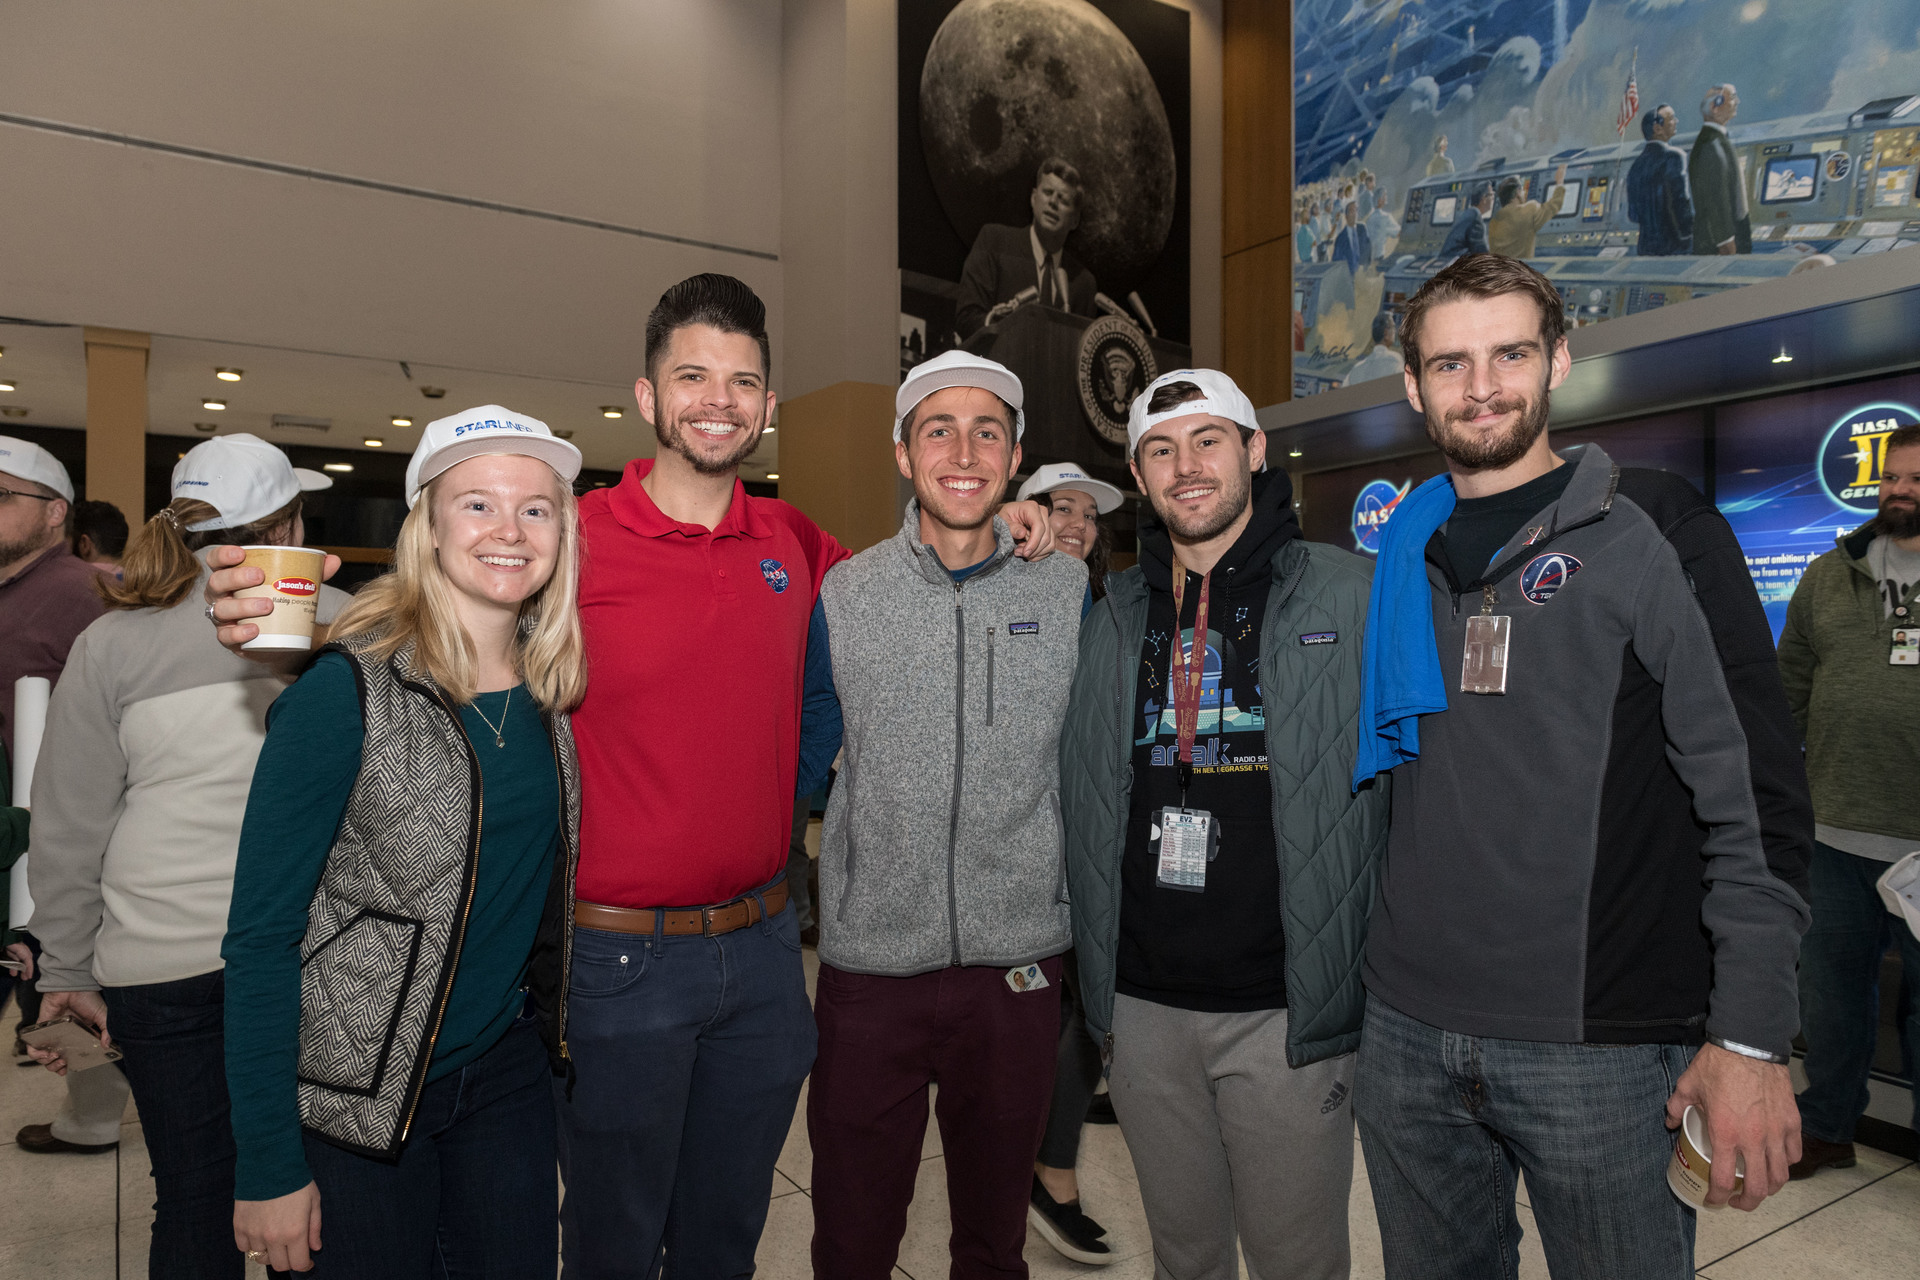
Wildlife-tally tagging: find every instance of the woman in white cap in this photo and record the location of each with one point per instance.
(150, 746)
(415, 799)
(1075, 502)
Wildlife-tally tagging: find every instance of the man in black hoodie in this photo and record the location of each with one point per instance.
(1220, 865)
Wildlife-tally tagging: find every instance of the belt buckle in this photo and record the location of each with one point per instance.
(706, 922)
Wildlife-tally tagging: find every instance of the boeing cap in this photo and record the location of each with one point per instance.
(958, 368)
(29, 461)
(242, 477)
(476, 433)
(1221, 398)
(1065, 475)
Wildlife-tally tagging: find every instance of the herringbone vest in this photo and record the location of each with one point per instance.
(379, 954)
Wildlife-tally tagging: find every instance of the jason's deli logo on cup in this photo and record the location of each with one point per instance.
(492, 424)
(294, 586)
(1854, 451)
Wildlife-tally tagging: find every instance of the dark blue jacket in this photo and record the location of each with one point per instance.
(1467, 235)
(1353, 246)
(1657, 200)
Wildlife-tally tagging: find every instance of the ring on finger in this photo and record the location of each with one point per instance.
(257, 1255)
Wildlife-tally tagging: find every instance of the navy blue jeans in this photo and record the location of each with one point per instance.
(1840, 990)
(1448, 1122)
(688, 1054)
(174, 1041)
(474, 1192)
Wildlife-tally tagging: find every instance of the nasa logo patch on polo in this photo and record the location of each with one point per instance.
(1544, 575)
(775, 575)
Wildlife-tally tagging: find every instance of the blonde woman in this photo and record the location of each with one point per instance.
(149, 750)
(380, 1061)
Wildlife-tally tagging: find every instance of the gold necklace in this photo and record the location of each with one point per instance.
(499, 730)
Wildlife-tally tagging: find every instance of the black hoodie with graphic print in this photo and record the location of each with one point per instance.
(1220, 950)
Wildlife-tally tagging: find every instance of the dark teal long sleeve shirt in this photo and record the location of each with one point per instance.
(307, 770)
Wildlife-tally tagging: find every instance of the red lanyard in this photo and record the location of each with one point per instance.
(1191, 672)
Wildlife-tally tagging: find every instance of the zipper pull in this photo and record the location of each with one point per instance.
(1488, 597)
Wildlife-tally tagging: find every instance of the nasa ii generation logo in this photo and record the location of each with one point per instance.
(1371, 508)
(1854, 451)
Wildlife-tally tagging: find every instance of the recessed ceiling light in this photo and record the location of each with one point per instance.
(204, 426)
(1783, 357)
(611, 411)
(336, 466)
(773, 475)
(6, 384)
(401, 420)
(15, 411)
(565, 433)
(1293, 453)
(213, 404)
(228, 375)
(433, 393)
(374, 442)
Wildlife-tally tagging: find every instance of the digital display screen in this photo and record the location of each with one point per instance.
(1443, 207)
(1793, 473)
(1788, 179)
(1569, 198)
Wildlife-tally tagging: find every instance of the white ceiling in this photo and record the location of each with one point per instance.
(657, 116)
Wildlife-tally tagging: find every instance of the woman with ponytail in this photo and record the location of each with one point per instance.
(416, 801)
(142, 779)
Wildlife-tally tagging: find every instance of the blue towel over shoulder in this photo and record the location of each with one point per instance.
(1401, 665)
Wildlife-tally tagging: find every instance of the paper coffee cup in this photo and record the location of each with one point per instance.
(293, 584)
(1692, 1164)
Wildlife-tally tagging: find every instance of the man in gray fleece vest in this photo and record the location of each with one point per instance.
(943, 910)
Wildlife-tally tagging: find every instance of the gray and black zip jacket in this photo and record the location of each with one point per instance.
(942, 842)
(1615, 850)
(1328, 839)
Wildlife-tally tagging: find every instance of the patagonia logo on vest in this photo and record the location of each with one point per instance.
(775, 574)
(1320, 637)
(1023, 628)
(1544, 575)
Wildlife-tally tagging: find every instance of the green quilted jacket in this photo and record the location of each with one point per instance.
(1330, 840)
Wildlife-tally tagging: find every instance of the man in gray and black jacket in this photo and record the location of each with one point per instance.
(1217, 693)
(942, 909)
(1597, 875)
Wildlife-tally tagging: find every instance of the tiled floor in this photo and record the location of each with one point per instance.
(64, 1217)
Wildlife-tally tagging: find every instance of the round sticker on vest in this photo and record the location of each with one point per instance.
(296, 586)
(775, 574)
(1544, 575)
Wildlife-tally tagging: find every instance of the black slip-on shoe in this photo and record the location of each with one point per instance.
(1071, 1233)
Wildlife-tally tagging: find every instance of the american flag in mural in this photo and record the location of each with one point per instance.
(1630, 100)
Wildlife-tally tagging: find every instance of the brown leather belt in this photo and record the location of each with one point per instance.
(707, 921)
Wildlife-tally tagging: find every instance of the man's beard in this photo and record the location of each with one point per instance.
(674, 437)
(1902, 521)
(1496, 452)
(1235, 488)
(13, 552)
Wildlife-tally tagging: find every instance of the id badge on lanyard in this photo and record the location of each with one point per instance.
(1185, 840)
(1906, 647)
(1483, 662)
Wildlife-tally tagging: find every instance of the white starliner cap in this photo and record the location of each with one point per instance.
(477, 432)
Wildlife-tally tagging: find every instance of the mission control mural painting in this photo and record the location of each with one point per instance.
(1534, 127)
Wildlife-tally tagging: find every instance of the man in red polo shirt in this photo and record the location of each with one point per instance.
(688, 1031)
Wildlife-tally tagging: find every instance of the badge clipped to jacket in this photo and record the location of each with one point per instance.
(1483, 661)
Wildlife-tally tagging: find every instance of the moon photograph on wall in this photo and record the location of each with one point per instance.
(1009, 83)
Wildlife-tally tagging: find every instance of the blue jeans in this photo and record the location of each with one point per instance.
(1448, 1121)
(688, 1055)
(473, 1193)
(1840, 990)
(174, 1041)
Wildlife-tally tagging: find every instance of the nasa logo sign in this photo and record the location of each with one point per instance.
(775, 574)
(1544, 575)
(1375, 503)
(1855, 449)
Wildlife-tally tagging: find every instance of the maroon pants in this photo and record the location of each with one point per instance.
(882, 1042)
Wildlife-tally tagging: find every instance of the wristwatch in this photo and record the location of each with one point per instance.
(1748, 1051)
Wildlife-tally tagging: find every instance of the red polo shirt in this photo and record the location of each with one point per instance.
(690, 733)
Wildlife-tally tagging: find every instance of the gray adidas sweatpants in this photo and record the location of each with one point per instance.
(1227, 1138)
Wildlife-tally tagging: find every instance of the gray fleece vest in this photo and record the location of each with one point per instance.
(943, 842)
(385, 928)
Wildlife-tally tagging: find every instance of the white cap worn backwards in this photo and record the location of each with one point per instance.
(29, 461)
(958, 368)
(488, 429)
(1222, 399)
(1065, 475)
(242, 477)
